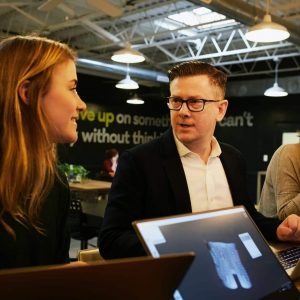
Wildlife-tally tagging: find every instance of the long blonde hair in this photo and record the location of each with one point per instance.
(27, 156)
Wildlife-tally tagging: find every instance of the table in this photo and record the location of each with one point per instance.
(90, 184)
(93, 195)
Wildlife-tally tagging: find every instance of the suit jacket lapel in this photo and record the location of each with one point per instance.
(231, 178)
(175, 173)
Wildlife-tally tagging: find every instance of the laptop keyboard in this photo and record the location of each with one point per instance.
(289, 257)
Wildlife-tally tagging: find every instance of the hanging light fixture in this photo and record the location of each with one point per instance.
(267, 31)
(276, 90)
(128, 55)
(127, 83)
(135, 99)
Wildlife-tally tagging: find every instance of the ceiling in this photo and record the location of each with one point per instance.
(97, 28)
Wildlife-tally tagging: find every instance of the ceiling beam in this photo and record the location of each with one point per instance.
(247, 14)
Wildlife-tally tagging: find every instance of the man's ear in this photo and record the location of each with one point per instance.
(23, 91)
(222, 105)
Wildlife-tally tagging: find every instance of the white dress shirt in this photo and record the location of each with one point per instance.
(207, 183)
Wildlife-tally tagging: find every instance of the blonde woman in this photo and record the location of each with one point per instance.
(39, 106)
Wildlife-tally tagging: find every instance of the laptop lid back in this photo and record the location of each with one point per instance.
(144, 278)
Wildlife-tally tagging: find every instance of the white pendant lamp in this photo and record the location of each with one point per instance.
(135, 100)
(276, 90)
(267, 31)
(128, 55)
(127, 83)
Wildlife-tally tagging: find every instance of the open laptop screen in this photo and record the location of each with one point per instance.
(233, 261)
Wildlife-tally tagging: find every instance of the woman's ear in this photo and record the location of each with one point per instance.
(23, 91)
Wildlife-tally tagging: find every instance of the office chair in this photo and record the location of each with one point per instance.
(78, 223)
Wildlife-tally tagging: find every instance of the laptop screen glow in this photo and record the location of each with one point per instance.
(233, 261)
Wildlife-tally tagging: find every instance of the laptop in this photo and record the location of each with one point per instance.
(233, 260)
(289, 256)
(135, 278)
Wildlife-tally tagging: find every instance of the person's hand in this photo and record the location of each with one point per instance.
(289, 229)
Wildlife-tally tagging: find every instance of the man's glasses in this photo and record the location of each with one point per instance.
(196, 105)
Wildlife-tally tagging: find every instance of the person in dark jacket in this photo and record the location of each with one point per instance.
(185, 170)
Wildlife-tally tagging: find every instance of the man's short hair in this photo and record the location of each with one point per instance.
(191, 68)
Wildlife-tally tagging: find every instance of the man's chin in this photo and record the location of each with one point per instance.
(184, 137)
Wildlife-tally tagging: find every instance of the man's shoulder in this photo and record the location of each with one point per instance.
(153, 145)
(228, 148)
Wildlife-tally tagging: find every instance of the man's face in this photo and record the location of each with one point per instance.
(195, 128)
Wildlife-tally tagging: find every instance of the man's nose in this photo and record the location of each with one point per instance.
(184, 109)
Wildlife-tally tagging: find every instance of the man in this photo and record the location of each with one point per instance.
(185, 170)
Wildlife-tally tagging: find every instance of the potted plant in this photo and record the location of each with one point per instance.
(74, 173)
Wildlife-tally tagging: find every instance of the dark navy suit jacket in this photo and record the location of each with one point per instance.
(150, 182)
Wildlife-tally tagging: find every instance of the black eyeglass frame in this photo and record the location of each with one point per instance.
(187, 101)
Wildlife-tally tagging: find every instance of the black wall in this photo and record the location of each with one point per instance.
(253, 125)
(261, 131)
(109, 122)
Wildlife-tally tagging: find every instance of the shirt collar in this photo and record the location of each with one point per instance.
(183, 150)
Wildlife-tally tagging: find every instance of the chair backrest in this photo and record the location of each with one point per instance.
(76, 216)
(75, 205)
(78, 222)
